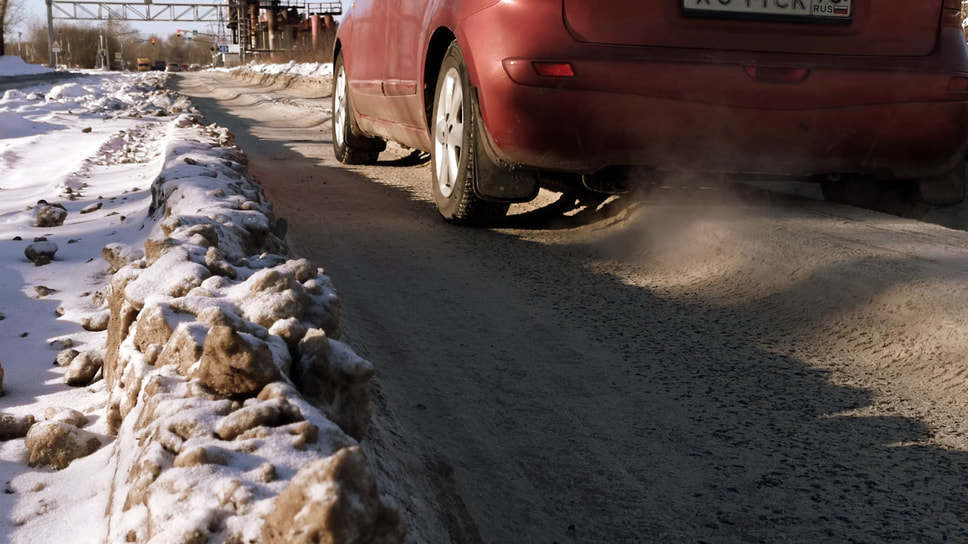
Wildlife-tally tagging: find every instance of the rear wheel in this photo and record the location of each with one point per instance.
(455, 152)
(898, 197)
(946, 189)
(851, 190)
(349, 145)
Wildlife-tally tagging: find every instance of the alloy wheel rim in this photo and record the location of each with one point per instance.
(449, 132)
(339, 115)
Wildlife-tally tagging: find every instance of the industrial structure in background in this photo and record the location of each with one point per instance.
(272, 26)
(245, 29)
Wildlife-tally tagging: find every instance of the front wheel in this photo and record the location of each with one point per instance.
(349, 146)
(454, 154)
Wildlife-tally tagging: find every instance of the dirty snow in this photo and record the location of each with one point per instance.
(291, 68)
(105, 146)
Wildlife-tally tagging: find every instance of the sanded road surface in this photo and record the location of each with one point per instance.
(699, 364)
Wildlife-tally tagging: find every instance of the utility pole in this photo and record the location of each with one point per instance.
(103, 52)
(50, 33)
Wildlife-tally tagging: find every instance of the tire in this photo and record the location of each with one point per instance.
(851, 190)
(454, 153)
(897, 197)
(349, 145)
(947, 189)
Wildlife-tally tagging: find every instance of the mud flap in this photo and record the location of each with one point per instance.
(946, 189)
(364, 143)
(493, 179)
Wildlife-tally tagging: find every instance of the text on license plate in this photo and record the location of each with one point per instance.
(810, 9)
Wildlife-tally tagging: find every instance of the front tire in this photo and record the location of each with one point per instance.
(349, 145)
(454, 153)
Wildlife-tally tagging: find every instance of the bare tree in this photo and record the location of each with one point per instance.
(3, 25)
(80, 44)
(11, 14)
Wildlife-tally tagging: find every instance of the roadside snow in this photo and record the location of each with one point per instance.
(291, 68)
(222, 372)
(11, 65)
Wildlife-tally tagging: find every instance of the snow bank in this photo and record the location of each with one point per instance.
(15, 126)
(291, 74)
(12, 65)
(229, 411)
(204, 336)
(291, 68)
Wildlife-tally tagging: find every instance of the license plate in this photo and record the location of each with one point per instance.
(792, 10)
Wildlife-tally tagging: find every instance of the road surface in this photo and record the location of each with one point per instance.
(700, 364)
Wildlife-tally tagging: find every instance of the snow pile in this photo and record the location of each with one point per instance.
(14, 65)
(214, 335)
(291, 68)
(311, 76)
(16, 126)
(228, 405)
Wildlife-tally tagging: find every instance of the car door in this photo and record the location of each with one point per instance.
(364, 40)
(407, 36)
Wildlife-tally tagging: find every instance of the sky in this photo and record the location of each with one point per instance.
(38, 12)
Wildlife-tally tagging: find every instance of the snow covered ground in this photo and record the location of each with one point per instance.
(172, 276)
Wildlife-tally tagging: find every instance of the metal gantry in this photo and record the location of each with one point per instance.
(132, 11)
(92, 10)
(247, 19)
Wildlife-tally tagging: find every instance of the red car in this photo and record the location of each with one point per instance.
(511, 95)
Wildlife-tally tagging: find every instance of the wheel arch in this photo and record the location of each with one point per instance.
(436, 49)
(337, 49)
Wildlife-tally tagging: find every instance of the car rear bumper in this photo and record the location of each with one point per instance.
(709, 110)
(584, 131)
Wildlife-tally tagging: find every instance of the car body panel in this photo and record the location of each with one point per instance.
(369, 26)
(663, 91)
(877, 27)
(403, 70)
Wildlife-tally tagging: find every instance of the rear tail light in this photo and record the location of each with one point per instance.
(958, 84)
(773, 74)
(553, 69)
